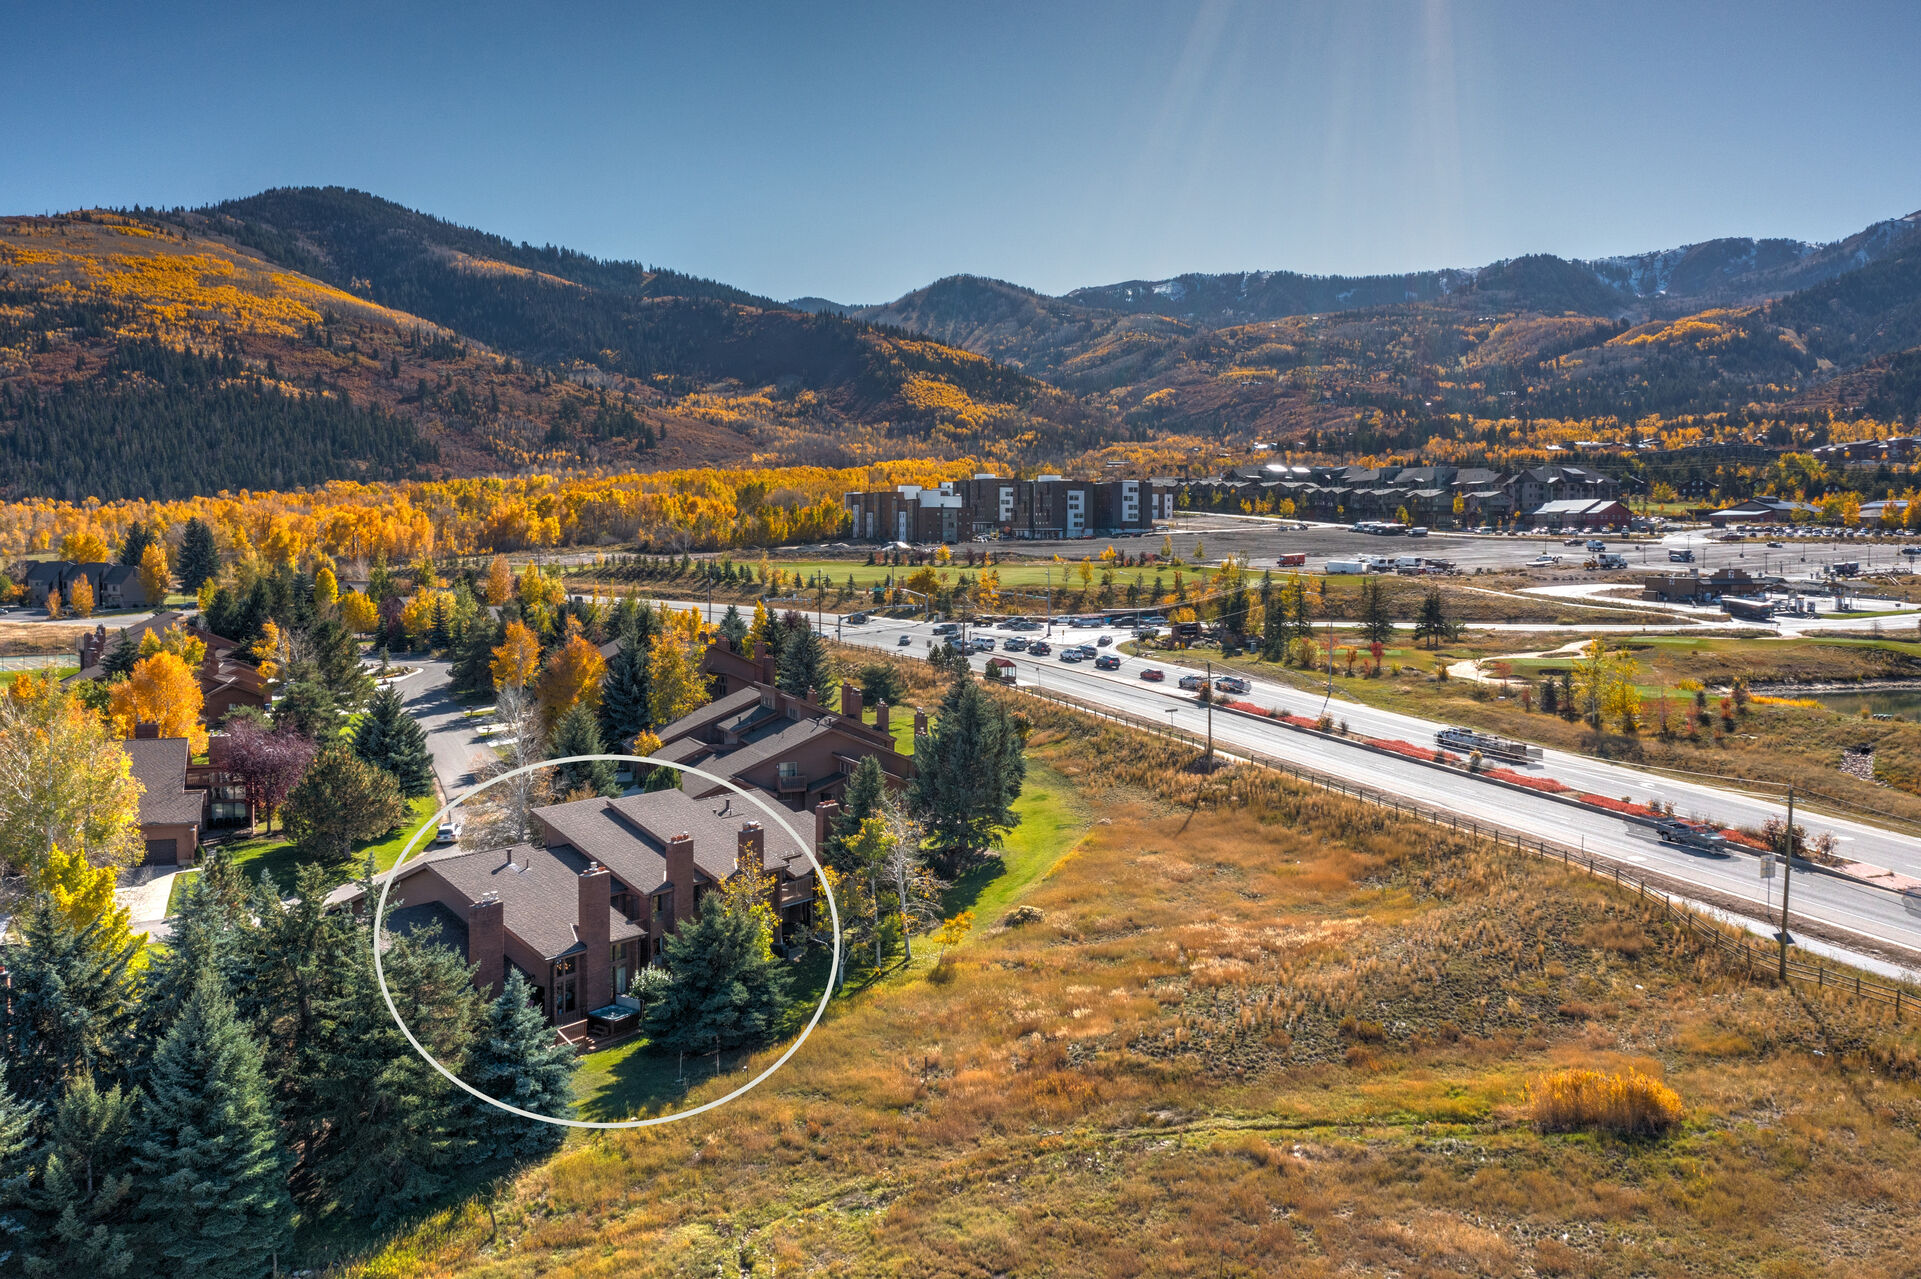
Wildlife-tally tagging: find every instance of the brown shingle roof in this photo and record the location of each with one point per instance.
(160, 766)
(539, 890)
(629, 835)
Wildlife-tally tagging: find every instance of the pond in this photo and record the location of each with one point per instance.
(1905, 702)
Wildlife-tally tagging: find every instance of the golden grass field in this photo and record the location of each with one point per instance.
(1261, 1030)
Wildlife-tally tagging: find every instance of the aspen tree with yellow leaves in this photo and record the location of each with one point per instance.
(571, 678)
(162, 690)
(80, 597)
(65, 783)
(84, 547)
(155, 575)
(53, 605)
(326, 587)
(358, 613)
(517, 658)
(499, 586)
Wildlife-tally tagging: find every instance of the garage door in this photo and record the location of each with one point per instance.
(160, 852)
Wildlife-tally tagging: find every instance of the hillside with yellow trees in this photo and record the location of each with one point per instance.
(308, 336)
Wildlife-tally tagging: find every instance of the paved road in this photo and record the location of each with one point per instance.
(1871, 913)
(451, 737)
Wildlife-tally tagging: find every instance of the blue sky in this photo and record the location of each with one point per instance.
(859, 151)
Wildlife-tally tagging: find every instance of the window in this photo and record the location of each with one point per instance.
(565, 999)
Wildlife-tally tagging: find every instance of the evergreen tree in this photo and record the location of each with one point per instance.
(71, 1006)
(382, 1128)
(624, 693)
(336, 662)
(84, 1185)
(1377, 621)
(578, 733)
(120, 656)
(720, 985)
(307, 707)
(1274, 628)
(18, 1151)
(209, 1158)
(391, 740)
(134, 545)
(518, 1059)
(1433, 624)
(968, 771)
(881, 682)
(734, 626)
(804, 663)
(205, 940)
(474, 655)
(340, 800)
(866, 790)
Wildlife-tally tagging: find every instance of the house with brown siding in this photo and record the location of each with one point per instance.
(171, 816)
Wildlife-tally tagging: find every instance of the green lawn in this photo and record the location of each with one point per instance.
(59, 672)
(275, 854)
(631, 1079)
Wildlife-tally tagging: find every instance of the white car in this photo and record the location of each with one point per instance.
(1544, 561)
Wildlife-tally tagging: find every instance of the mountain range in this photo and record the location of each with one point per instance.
(306, 334)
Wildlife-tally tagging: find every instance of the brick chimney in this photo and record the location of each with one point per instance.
(750, 849)
(764, 661)
(880, 715)
(146, 730)
(487, 944)
(825, 815)
(594, 930)
(812, 696)
(850, 699)
(680, 874)
(920, 722)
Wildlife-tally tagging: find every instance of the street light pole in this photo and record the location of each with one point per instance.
(1210, 710)
(1787, 877)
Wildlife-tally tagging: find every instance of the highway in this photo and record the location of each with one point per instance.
(1846, 908)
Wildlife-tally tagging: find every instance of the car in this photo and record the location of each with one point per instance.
(1572, 541)
(449, 833)
(1040, 648)
(1233, 684)
(1544, 561)
(904, 641)
(1014, 644)
(1104, 641)
(1070, 655)
(981, 644)
(1192, 682)
(1153, 674)
(1107, 662)
(1088, 652)
(857, 619)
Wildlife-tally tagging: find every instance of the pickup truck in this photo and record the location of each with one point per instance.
(1192, 683)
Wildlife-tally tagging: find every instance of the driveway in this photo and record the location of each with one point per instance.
(143, 891)
(429, 698)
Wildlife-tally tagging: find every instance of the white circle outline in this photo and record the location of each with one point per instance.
(387, 880)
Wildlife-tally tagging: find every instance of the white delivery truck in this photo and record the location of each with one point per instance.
(1335, 568)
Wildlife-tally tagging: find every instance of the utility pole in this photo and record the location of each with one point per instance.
(1208, 692)
(1787, 877)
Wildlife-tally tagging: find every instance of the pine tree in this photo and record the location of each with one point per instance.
(382, 1128)
(624, 709)
(120, 656)
(968, 771)
(578, 733)
(341, 799)
(336, 662)
(1377, 622)
(199, 559)
(721, 986)
(474, 655)
(212, 1169)
(518, 1059)
(804, 664)
(84, 1185)
(308, 708)
(71, 1006)
(206, 939)
(392, 740)
(866, 790)
(18, 1152)
(134, 545)
(733, 626)
(1433, 624)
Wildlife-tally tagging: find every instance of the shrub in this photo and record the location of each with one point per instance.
(1626, 1105)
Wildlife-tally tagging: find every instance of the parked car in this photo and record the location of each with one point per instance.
(449, 833)
(1153, 674)
(1107, 662)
